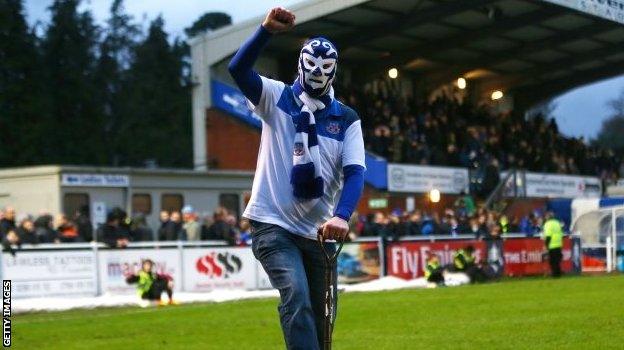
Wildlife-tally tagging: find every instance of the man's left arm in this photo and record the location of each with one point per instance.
(353, 162)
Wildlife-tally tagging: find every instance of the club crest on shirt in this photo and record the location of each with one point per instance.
(333, 128)
(299, 149)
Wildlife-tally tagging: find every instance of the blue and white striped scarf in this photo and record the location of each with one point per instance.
(305, 177)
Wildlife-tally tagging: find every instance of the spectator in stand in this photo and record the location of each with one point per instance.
(244, 236)
(219, 230)
(11, 242)
(26, 231)
(494, 232)
(173, 230)
(111, 233)
(8, 220)
(164, 221)
(67, 231)
(191, 226)
(415, 223)
(476, 229)
(44, 229)
(139, 230)
(234, 232)
(83, 223)
(124, 222)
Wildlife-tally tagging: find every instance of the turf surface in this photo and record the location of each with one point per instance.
(569, 313)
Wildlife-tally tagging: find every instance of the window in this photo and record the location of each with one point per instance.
(171, 202)
(230, 202)
(142, 203)
(72, 202)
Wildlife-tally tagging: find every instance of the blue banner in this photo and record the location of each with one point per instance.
(233, 102)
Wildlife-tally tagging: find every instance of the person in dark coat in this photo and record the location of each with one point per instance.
(44, 229)
(139, 231)
(26, 232)
(111, 234)
(173, 231)
(8, 220)
(84, 224)
(220, 229)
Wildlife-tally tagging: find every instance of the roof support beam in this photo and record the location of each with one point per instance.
(537, 92)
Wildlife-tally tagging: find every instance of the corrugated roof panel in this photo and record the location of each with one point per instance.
(456, 54)
(616, 57)
(612, 36)
(513, 66)
(567, 21)
(432, 31)
(556, 74)
(358, 16)
(394, 42)
(516, 7)
(492, 44)
(545, 56)
(400, 5)
(589, 65)
(530, 33)
(580, 45)
(468, 19)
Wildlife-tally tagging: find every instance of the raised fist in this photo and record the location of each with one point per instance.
(279, 20)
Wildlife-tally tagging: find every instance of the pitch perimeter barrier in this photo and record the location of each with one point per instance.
(91, 269)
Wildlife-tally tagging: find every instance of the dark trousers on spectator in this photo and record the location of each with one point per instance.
(159, 286)
(554, 259)
(296, 267)
(436, 276)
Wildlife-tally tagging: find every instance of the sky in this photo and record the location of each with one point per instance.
(579, 112)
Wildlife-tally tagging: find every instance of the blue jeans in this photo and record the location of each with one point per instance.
(296, 267)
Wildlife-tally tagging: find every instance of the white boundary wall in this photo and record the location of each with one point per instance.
(89, 270)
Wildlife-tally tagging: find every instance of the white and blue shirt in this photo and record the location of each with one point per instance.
(340, 144)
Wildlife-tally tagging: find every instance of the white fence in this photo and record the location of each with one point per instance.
(92, 269)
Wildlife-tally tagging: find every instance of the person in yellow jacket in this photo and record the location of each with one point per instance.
(553, 237)
(433, 270)
(151, 285)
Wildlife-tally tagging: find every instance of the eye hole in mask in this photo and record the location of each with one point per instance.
(327, 65)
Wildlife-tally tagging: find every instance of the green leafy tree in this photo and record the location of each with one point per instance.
(115, 54)
(208, 21)
(157, 118)
(610, 134)
(69, 55)
(21, 105)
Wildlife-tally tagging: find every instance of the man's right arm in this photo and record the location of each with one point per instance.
(241, 66)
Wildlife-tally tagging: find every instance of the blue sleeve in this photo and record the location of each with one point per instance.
(241, 65)
(351, 191)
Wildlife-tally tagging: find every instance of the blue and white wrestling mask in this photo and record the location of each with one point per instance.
(317, 66)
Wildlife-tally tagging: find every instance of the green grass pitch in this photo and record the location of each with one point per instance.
(569, 313)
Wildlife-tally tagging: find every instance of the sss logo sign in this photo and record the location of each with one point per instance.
(219, 265)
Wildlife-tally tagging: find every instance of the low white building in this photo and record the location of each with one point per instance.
(65, 189)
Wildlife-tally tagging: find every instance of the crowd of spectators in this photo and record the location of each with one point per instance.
(448, 130)
(481, 225)
(120, 229)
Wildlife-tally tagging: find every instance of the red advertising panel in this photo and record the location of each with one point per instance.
(407, 259)
(522, 256)
(527, 256)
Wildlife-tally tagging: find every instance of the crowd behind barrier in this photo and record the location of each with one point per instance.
(450, 131)
(463, 219)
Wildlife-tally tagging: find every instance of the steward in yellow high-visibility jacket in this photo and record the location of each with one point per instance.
(553, 237)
